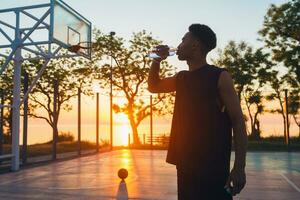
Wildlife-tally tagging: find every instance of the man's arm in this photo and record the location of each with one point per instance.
(157, 85)
(232, 104)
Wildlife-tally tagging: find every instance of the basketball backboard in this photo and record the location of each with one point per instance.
(42, 27)
(70, 28)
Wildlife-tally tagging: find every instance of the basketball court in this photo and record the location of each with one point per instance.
(273, 176)
(54, 30)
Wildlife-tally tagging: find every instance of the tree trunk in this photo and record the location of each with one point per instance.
(252, 122)
(258, 127)
(136, 140)
(55, 129)
(282, 114)
(284, 127)
(54, 141)
(256, 124)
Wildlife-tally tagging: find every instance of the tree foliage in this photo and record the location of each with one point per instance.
(130, 68)
(281, 33)
(250, 70)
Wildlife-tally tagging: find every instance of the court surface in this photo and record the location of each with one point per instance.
(271, 175)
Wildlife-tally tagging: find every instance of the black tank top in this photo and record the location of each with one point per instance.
(201, 131)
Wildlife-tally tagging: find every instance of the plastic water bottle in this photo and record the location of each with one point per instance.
(152, 53)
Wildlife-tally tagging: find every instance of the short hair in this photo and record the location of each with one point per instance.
(205, 35)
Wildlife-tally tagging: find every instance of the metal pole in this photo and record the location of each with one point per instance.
(287, 119)
(16, 98)
(55, 136)
(25, 122)
(151, 122)
(111, 118)
(97, 122)
(111, 96)
(79, 121)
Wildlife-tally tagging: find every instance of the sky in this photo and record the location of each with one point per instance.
(168, 21)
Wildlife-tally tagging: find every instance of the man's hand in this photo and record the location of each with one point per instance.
(238, 179)
(155, 84)
(162, 51)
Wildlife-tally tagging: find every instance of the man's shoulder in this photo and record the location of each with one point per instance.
(217, 70)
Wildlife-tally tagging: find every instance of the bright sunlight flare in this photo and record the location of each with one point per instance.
(122, 129)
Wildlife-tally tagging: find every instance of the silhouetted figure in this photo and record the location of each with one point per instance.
(206, 109)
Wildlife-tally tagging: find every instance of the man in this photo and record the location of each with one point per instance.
(206, 110)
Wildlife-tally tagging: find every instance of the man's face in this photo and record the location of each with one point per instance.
(187, 47)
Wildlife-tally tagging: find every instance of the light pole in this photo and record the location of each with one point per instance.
(111, 34)
(96, 90)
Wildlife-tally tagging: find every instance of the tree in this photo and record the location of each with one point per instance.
(6, 92)
(294, 99)
(249, 69)
(281, 33)
(278, 85)
(70, 74)
(254, 97)
(234, 59)
(130, 72)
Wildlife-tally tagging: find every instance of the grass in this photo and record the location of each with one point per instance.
(264, 144)
(273, 143)
(46, 148)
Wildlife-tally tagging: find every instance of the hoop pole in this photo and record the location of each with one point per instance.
(16, 99)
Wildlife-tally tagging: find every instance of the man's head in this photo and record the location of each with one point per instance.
(200, 39)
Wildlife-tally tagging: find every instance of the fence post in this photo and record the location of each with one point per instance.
(151, 122)
(79, 122)
(128, 140)
(111, 120)
(55, 132)
(97, 122)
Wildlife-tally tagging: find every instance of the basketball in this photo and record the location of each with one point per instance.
(122, 173)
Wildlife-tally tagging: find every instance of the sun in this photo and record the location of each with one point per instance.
(121, 118)
(122, 129)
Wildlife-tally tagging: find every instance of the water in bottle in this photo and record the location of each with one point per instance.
(152, 53)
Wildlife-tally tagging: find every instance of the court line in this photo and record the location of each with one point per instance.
(291, 182)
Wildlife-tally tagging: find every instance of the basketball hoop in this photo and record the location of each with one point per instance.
(81, 45)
